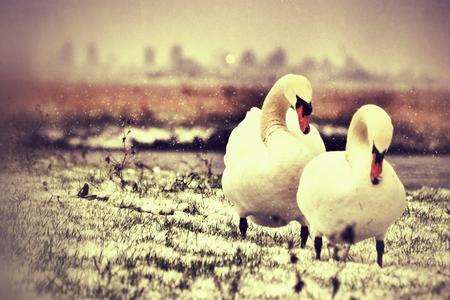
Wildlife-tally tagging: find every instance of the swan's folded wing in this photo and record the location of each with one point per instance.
(246, 164)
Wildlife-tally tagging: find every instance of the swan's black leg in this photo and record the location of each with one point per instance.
(380, 252)
(243, 225)
(318, 246)
(304, 233)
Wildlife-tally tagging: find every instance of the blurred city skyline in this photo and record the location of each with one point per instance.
(382, 36)
(73, 64)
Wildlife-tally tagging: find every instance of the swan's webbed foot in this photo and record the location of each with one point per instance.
(318, 246)
(304, 233)
(380, 252)
(243, 226)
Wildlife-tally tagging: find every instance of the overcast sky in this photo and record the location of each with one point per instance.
(383, 35)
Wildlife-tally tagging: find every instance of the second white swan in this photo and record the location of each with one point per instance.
(352, 195)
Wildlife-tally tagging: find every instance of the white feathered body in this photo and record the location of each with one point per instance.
(262, 179)
(332, 195)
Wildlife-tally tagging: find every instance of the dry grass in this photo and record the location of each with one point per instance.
(418, 115)
(144, 104)
(166, 234)
(418, 109)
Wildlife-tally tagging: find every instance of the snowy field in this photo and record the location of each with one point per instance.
(163, 230)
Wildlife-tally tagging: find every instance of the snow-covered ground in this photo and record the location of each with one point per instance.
(195, 138)
(414, 170)
(110, 137)
(149, 231)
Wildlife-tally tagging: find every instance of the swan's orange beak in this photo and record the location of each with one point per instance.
(377, 166)
(303, 120)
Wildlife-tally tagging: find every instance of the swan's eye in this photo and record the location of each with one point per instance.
(376, 151)
(307, 107)
(378, 155)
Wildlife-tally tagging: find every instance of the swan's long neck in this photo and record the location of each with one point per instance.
(358, 147)
(274, 111)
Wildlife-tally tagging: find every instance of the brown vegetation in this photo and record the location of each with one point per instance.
(419, 115)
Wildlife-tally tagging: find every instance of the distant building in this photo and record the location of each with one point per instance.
(176, 56)
(92, 57)
(149, 56)
(66, 54)
(277, 58)
(182, 65)
(248, 59)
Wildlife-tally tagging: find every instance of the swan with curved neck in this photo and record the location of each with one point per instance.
(354, 191)
(291, 91)
(369, 137)
(266, 153)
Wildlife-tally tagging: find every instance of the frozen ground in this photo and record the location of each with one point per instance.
(165, 231)
(197, 138)
(415, 171)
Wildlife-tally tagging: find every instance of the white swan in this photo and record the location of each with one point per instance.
(266, 153)
(352, 195)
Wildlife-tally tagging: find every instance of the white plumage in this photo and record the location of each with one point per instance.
(261, 178)
(332, 195)
(336, 190)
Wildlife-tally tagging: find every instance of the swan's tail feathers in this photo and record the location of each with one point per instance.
(244, 138)
(254, 110)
